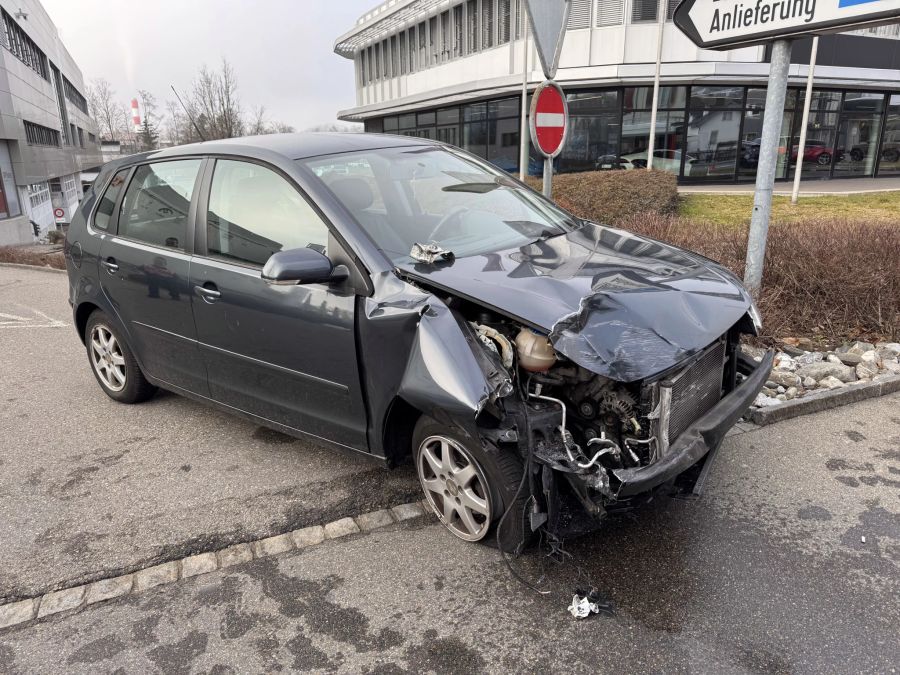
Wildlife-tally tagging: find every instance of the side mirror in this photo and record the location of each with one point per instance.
(301, 266)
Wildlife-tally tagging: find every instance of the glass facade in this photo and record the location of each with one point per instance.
(702, 133)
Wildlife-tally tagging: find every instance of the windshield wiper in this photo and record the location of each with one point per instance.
(477, 188)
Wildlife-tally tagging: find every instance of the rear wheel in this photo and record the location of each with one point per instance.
(470, 487)
(112, 362)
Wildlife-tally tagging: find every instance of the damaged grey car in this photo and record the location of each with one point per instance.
(402, 298)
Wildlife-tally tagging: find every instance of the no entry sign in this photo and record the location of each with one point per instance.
(549, 118)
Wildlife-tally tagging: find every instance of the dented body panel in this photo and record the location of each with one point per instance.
(615, 303)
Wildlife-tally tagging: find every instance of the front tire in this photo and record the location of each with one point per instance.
(113, 363)
(470, 487)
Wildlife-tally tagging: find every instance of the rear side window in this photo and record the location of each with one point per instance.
(254, 212)
(104, 213)
(157, 201)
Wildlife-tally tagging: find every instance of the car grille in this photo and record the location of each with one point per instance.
(689, 395)
(696, 390)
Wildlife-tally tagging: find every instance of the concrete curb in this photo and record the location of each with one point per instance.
(74, 599)
(39, 268)
(825, 400)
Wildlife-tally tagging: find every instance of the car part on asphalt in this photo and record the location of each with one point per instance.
(585, 603)
(540, 369)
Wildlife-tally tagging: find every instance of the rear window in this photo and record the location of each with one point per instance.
(104, 212)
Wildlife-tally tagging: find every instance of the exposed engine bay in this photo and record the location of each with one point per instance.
(586, 428)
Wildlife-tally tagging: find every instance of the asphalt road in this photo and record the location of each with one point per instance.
(789, 563)
(90, 488)
(767, 573)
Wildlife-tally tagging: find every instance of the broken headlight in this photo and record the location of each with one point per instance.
(755, 317)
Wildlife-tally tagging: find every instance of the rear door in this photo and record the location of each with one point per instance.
(284, 353)
(145, 269)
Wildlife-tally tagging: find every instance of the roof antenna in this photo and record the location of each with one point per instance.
(186, 112)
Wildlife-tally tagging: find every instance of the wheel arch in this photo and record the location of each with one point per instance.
(399, 424)
(82, 314)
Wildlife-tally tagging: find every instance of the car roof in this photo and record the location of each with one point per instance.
(299, 145)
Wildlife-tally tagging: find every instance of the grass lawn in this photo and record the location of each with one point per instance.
(735, 209)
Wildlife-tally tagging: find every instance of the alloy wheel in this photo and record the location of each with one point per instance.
(107, 358)
(455, 486)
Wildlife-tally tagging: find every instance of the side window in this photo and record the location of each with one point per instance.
(104, 212)
(156, 204)
(254, 212)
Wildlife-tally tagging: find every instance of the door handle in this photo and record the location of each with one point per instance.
(209, 293)
(110, 265)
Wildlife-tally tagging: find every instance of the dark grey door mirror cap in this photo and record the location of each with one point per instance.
(301, 266)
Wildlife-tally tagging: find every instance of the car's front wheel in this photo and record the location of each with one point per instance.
(112, 362)
(470, 487)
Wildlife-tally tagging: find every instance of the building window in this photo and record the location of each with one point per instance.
(471, 26)
(487, 24)
(643, 10)
(80, 137)
(579, 14)
(502, 21)
(610, 12)
(70, 189)
(38, 193)
(9, 199)
(24, 48)
(36, 134)
(404, 56)
(445, 36)
(74, 96)
(457, 31)
(433, 41)
(395, 57)
(412, 49)
(92, 139)
(423, 46)
(385, 64)
(670, 8)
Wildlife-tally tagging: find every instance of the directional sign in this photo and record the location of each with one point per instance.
(548, 25)
(725, 24)
(549, 119)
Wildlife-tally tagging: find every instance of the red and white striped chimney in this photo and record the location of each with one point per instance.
(135, 115)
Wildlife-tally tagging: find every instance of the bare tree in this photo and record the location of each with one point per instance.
(173, 129)
(280, 128)
(257, 124)
(214, 104)
(105, 109)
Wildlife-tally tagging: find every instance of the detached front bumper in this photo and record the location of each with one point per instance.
(698, 439)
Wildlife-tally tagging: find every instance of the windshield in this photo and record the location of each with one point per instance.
(414, 196)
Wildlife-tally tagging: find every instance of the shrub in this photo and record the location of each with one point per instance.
(831, 280)
(607, 196)
(28, 256)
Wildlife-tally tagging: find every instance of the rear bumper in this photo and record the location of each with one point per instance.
(698, 439)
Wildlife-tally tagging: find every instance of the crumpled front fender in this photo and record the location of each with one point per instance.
(442, 374)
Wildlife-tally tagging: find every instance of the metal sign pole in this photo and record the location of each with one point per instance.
(768, 158)
(651, 143)
(548, 178)
(523, 124)
(798, 169)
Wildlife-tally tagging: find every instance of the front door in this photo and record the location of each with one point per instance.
(284, 353)
(145, 272)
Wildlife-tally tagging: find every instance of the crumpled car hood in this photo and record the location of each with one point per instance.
(618, 304)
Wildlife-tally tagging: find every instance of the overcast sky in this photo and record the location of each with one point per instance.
(281, 50)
